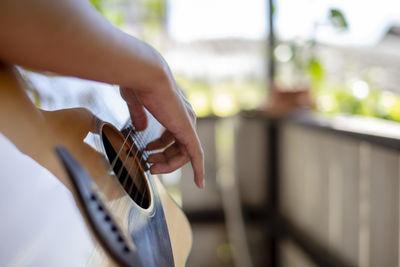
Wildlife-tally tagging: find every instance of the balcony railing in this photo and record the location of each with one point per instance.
(313, 191)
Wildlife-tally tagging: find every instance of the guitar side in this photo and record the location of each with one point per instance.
(32, 136)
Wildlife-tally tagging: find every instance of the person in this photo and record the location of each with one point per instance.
(70, 37)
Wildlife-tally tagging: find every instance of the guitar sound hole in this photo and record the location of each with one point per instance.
(126, 166)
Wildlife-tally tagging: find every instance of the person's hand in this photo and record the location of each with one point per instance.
(101, 52)
(179, 142)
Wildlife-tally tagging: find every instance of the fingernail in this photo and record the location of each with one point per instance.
(202, 183)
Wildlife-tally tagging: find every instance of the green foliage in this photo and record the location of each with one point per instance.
(154, 16)
(377, 103)
(337, 19)
(157, 8)
(222, 98)
(315, 71)
(331, 97)
(113, 15)
(97, 4)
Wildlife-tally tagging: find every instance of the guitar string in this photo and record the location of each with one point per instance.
(129, 191)
(141, 146)
(144, 184)
(133, 160)
(136, 175)
(112, 205)
(128, 153)
(113, 163)
(119, 152)
(140, 142)
(115, 160)
(97, 141)
(145, 187)
(133, 163)
(144, 154)
(124, 163)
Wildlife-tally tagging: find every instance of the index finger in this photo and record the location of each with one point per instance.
(196, 156)
(136, 108)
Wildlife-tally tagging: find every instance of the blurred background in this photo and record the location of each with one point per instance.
(298, 105)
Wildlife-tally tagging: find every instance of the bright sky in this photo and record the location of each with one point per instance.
(213, 19)
(368, 20)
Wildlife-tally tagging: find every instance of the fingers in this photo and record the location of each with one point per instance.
(180, 140)
(138, 116)
(163, 157)
(171, 159)
(194, 149)
(165, 140)
(176, 155)
(172, 164)
(136, 108)
(197, 161)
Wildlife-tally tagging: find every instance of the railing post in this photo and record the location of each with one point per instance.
(272, 200)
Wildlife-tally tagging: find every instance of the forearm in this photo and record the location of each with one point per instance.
(69, 37)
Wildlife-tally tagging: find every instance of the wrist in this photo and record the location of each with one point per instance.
(148, 71)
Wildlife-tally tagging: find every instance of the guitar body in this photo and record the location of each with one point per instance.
(43, 222)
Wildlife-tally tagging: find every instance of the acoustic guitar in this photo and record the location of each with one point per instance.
(68, 202)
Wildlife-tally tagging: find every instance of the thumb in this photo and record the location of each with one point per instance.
(136, 108)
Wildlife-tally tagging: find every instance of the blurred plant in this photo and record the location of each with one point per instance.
(354, 97)
(105, 7)
(156, 15)
(337, 19)
(307, 71)
(145, 18)
(358, 98)
(307, 68)
(222, 98)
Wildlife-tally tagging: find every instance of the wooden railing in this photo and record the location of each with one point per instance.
(339, 184)
(314, 192)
